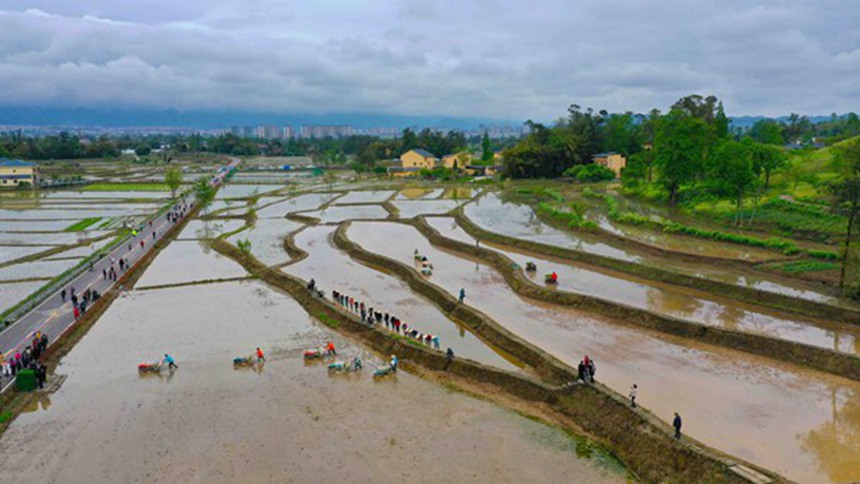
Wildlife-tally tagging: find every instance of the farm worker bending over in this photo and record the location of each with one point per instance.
(170, 362)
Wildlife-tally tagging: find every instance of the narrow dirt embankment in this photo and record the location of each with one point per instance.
(643, 442)
(836, 363)
(748, 295)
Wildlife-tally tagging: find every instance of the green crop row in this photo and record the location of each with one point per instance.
(82, 224)
(787, 247)
(807, 266)
(571, 219)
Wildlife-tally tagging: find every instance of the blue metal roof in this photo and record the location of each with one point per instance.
(15, 163)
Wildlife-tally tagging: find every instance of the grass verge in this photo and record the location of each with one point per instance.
(82, 225)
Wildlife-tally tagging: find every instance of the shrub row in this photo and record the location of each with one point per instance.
(571, 219)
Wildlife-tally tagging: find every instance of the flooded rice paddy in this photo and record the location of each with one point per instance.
(366, 196)
(409, 209)
(39, 268)
(333, 269)
(267, 239)
(299, 203)
(335, 214)
(777, 415)
(492, 213)
(419, 193)
(291, 421)
(209, 229)
(283, 421)
(672, 300)
(188, 261)
(232, 190)
(12, 293)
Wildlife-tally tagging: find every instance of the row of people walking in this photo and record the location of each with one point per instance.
(391, 322)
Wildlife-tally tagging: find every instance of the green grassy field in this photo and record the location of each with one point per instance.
(126, 187)
(82, 224)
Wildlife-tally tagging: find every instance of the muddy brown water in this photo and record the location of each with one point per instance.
(516, 220)
(801, 423)
(333, 269)
(671, 300)
(285, 422)
(419, 193)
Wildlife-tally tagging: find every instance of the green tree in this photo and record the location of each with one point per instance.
(731, 168)
(173, 179)
(765, 159)
(142, 150)
(767, 131)
(621, 134)
(680, 144)
(847, 197)
(204, 192)
(486, 148)
(721, 122)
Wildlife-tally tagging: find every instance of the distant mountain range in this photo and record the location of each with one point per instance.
(133, 117)
(747, 121)
(129, 117)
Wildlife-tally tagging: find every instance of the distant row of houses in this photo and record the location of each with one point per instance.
(413, 161)
(15, 173)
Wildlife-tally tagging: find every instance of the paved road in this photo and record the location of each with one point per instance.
(54, 316)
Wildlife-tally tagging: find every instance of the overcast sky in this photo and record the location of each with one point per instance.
(499, 59)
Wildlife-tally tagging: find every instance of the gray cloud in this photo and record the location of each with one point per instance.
(503, 59)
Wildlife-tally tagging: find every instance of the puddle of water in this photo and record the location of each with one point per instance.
(300, 203)
(267, 239)
(520, 221)
(419, 194)
(10, 294)
(673, 301)
(333, 269)
(188, 261)
(209, 229)
(366, 196)
(339, 214)
(424, 207)
(208, 422)
(773, 414)
(232, 190)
